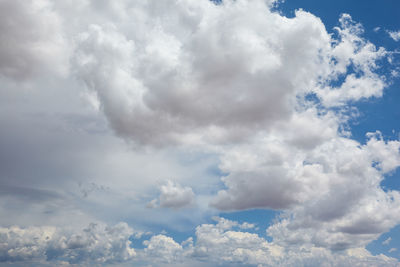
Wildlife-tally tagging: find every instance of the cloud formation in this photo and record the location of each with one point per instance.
(95, 244)
(395, 35)
(165, 83)
(220, 244)
(173, 196)
(266, 95)
(215, 245)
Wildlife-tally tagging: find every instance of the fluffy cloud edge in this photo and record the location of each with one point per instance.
(223, 242)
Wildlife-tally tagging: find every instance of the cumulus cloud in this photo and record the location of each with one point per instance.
(219, 244)
(348, 208)
(216, 244)
(163, 85)
(173, 196)
(264, 93)
(172, 92)
(95, 244)
(163, 248)
(279, 150)
(222, 244)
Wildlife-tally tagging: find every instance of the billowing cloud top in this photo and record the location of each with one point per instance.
(190, 88)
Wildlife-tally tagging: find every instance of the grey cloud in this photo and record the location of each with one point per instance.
(173, 195)
(52, 140)
(257, 190)
(31, 39)
(28, 193)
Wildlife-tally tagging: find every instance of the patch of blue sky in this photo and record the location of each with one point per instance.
(392, 245)
(216, 1)
(178, 235)
(261, 219)
(379, 114)
(391, 181)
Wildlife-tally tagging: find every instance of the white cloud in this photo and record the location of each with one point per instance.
(277, 149)
(247, 225)
(95, 244)
(163, 248)
(385, 154)
(172, 92)
(347, 208)
(353, 50)
(330, 190)
(394, 35)
(173, 196)
(215, 245)
(268, 173)
(218, 244)
(231, 80)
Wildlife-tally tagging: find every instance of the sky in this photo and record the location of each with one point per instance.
(199, 133)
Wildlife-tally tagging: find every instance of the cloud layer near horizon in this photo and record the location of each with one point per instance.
(264, 97)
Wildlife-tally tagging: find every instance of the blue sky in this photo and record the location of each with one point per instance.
(199, 133)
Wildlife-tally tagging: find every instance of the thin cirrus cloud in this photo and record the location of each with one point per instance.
(123, 94)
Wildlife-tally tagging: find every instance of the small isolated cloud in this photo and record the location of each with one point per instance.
(392, 250)
(377, 29)
(394, 35)
(247, 225)
(387, 241)
(173, 195)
